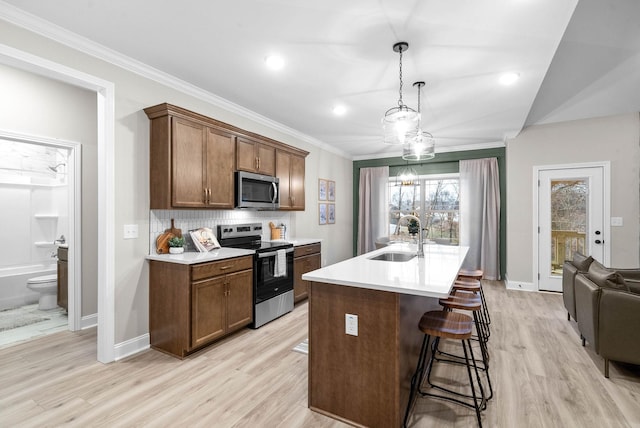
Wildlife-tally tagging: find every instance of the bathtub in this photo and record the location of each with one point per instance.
(13, 284)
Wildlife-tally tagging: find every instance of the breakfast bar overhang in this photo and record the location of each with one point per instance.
(364, 379)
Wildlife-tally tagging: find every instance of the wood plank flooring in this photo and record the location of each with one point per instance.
(542, 377)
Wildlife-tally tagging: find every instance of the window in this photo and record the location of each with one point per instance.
(435, 200)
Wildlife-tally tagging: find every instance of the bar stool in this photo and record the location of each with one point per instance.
(473, 303)
(446, 325)
(474, 286)
(464, 274)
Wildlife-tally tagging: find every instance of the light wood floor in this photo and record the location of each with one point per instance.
(542, 377)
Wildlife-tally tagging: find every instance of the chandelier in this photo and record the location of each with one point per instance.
(400, 123)
(421, 145)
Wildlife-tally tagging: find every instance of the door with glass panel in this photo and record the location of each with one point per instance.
(570, 218)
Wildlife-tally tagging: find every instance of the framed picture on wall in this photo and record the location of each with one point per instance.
(322, 213)
(331, 190)
(331, 213)
(322, 189)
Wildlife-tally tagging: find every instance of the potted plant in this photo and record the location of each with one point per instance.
(176, 245)
(413, 227)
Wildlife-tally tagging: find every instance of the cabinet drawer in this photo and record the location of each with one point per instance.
(305, 250)
(222, 267)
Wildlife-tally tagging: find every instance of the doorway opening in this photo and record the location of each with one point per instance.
(39, 179)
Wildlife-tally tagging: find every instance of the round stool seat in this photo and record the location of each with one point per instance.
(464, 303)
(475, 274)
(467, 286)
(449, 325)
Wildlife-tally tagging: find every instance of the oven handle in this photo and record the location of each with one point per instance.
(273, 253)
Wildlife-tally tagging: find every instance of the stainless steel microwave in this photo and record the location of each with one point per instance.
(257, 191)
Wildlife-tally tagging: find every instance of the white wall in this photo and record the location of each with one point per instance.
(615, 139)
(133, 93)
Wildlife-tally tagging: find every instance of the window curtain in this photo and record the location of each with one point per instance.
(373, 218)
(480, 215)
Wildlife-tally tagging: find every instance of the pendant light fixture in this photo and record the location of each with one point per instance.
(407, 176)
(399, 123)
(421, 145)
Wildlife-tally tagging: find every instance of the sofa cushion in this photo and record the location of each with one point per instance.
(606, 278)
(581, 262)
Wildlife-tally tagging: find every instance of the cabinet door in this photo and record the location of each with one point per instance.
(283, 169)
(246, 157)
(239, 299)
(208, 312)
(296, 183)
(187, 164)
(220, 154)
(302, 265)
(266, 159)
(63, 284)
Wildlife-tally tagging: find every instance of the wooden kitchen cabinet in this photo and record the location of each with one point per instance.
(255, 157)
(193, 159)
(198, 172)
(290, 170)
(63, 277)
(305, 259)
(191, 306)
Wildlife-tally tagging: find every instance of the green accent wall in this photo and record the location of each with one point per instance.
(441, 164)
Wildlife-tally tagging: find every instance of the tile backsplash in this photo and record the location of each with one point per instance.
(160, 220)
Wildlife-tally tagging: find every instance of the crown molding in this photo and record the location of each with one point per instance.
(63, 36)
(439, 149)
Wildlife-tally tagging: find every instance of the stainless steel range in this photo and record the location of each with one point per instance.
(272, 270)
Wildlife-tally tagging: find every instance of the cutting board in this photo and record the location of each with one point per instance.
(162, 242)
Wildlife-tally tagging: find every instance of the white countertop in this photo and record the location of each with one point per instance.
(195, 257)
(430, 276)
(297, 241)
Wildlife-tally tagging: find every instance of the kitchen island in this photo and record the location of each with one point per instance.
(363, 377)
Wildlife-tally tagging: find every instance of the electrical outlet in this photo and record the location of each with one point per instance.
(351, 324)
(616, 221)
(130, 231)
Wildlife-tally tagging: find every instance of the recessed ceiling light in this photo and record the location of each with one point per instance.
(509, 78)
(339, 110)
(274, 62)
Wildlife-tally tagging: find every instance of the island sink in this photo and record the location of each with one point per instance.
(394, 257)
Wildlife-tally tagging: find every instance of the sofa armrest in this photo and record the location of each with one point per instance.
(569, 272)
(587, 303)
(619, 320)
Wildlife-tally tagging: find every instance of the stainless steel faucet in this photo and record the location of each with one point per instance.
(420, 237)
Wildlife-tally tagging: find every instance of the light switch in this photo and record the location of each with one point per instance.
(616, 221)
(130, 231)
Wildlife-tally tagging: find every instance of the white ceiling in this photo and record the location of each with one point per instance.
(340, 52)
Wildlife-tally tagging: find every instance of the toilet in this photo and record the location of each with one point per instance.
(47, 286)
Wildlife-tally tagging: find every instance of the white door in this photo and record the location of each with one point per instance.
(571, 213)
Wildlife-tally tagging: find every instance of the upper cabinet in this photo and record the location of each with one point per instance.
(253, 156)
(193, 159)
(290, 171)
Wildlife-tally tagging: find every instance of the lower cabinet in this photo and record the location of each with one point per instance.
(305, 259)
(63, 277)
(191, 306)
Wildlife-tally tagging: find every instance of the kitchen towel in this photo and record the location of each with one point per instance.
(280, 268)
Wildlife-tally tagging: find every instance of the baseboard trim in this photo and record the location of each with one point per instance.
(89, 321)
(132, 346)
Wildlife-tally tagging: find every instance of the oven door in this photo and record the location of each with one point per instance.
(267, 284)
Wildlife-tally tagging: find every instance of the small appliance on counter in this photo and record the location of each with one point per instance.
(272, 270)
